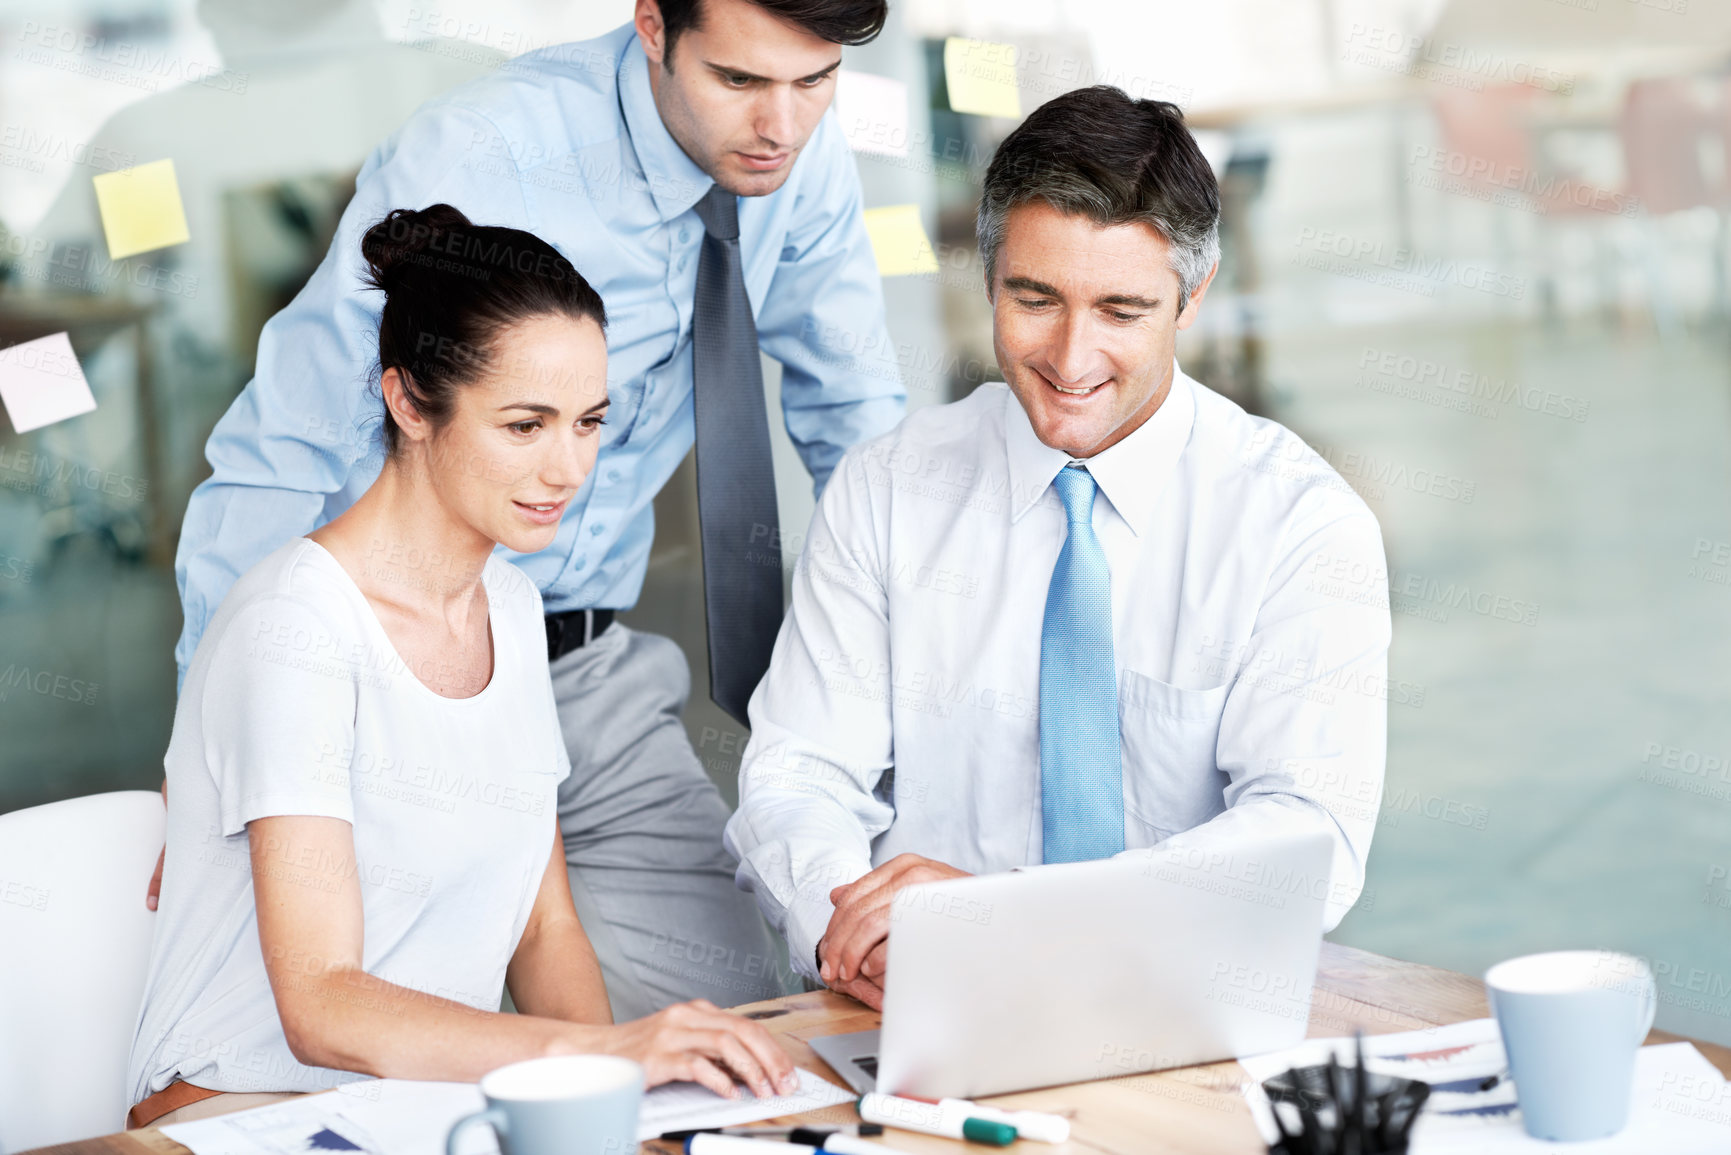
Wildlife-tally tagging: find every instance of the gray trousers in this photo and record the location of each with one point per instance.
(642, 828)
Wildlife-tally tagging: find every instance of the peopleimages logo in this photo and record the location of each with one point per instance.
(1361, 252)
(84, 53)
(1446, 62)
(25, 146)
(48, 684)
(937, 900)
(1471, 387)
(1414, 593)
(1452, 171)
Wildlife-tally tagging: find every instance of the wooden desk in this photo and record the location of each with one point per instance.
(1190, 1110)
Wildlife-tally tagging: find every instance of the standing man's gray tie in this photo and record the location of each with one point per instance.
(735, 476)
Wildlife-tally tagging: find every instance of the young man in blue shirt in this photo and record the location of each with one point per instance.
(684, 164)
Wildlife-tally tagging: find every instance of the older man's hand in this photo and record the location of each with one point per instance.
(851, 955)
(867, 990)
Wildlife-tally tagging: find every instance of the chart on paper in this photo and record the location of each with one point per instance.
(405, 1117)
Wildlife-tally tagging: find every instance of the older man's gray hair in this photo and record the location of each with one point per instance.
(1097, 153)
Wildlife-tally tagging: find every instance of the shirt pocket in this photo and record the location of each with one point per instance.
(625, 405)
(1169, 737)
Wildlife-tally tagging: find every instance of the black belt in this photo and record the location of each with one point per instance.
(574, 629)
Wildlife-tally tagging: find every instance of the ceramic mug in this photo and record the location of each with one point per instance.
(1571, 1023)
(560, 1105)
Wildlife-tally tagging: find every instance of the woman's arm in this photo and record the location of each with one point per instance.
(335, 1014)
(554, 973)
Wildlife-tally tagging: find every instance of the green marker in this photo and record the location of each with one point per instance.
(949, 1119)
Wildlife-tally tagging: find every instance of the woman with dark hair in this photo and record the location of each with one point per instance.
(363, 846)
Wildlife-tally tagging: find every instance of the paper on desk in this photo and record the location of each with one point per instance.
(140, 208)
(407, 1117)
(1455, 1051)
(981, 77)
(899, 241)
(873, 111)
(41, 383)
(684, 1106)
(1681, 1105)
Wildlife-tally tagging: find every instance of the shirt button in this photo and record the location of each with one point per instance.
(684, 234)
(580, 564)
(682, 262)
(596, 530)
(613, 476)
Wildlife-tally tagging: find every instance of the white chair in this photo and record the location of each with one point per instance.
(74, 947)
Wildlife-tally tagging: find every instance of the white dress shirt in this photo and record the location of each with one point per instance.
(900, 712)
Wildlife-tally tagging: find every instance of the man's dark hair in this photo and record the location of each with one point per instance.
(1097, 153)
(837, 21)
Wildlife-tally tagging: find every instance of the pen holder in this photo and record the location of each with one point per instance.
(1344, 1110)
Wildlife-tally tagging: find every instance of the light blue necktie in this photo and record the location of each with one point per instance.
(1081, 769)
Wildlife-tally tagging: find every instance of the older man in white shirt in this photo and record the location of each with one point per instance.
(1084, 613)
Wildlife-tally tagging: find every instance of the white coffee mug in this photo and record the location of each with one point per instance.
(561, 1105)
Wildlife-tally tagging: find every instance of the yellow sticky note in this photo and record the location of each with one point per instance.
(981, 77)
(899, 241)
(141, 208)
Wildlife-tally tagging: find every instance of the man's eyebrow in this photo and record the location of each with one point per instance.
(823, 72)
(729, 70)
(1030, 285)
(1129, 300)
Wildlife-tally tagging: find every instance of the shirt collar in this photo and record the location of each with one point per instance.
(675, 181)
(1132, 474)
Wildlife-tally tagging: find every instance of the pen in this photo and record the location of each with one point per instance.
(953, 1118)
(709, 1143)
(792, 1133)
(852, 1145)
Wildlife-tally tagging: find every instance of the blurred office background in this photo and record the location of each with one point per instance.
(1475, 253)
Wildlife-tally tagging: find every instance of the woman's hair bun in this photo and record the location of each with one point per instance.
(451, 288)
(403, 236)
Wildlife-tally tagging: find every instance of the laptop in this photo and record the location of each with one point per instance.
(1091, 970)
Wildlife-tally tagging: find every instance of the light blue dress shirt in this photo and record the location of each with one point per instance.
(566, 143)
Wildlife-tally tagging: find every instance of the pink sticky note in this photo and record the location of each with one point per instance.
(873, 111)
(41, 382)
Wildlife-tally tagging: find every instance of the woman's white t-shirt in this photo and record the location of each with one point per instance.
(296, 702)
